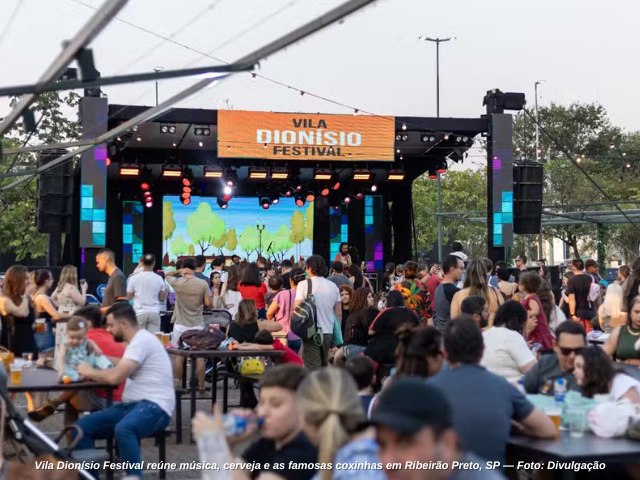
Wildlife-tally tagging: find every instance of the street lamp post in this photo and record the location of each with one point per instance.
(538, 156)
(438, 41)
(157, 69)
(260, 227)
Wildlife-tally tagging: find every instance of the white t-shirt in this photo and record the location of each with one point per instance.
(232, 299)
(146, 287)
(326, 296)
(505, 352)
(621, 384)
(153, 379)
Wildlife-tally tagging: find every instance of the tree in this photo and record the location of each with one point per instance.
(281, 242)
(220, 242)
(249, 240)
(191, 250)
(308, 221)
(232, 241)
(205, 227)
(178, 246)
(18, 233)
(297, 229)
(168, 222)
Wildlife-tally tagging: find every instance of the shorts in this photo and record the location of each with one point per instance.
(149, 321)
(178, 330)
(88, 401)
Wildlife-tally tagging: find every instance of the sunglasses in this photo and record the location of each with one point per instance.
(569, 351)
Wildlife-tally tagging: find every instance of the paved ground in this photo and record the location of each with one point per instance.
(186, 452)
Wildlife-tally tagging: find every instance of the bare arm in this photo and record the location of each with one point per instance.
(253, 346)
(8, 307)
(611, 344)
(572, 305)
(269, 325)
(632, 395)
(112, 376)
(60, 363)
(273, 309)
(43, 303)
(338, 309)
(78, 298)
(537, 424)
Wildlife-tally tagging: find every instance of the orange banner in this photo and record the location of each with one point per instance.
(300, 136)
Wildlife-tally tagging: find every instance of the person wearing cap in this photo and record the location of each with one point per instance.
(483, 404)
(418, 435)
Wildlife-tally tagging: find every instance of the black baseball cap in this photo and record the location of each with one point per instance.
(410, 404)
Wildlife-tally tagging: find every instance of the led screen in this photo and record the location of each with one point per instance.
(203, 228)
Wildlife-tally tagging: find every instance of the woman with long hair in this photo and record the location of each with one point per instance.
(230, 293)
(383, 339)
(216, 290)
(419, 352)
(17, 313)
(476, 283)
(346, 294)
(611, 313)
(252, 288)
(596, 375)
(281, 308)
(506, 352)
(45, 309)
(624, 342)
(334, 420)
(540, 333)
(67, 296)
(356, 332)
(387, 276)
(632, 285)
(358, 279)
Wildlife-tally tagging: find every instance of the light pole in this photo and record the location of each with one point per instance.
(535, 87)
(438, 41)
(157, 69)
(260, 227)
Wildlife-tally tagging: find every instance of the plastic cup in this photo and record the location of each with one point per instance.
(577, 423)
(16, 374)
(166, 338)
(27, 360)
(40, 325)
(555, 414)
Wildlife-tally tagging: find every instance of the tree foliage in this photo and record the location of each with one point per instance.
(205, 227)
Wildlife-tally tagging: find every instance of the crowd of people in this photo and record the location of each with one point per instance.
(433, 364)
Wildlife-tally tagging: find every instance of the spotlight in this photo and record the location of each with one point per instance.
(362, 175)
(275, 200)
(186, 181)
(432, 174)
(258, 173)
(231, 177)
(322, 174)
(428, 138)
(335, 182)
(201, 131)
(223, 204)
(265, 202)
(135, 128)
(279, 173)
(405, 138)
(129, 169)
(172, 171)
(404, 126)
(325, 192)
(288, 193)
(374, 188)
(167, 128)
(347, 200)
(396, 175)
(300, 200)
(398, 137)
(446, 136)
(149, 202)
(311, 197)
(227, 190)
(185, 201)
(212, 172)
(145, 186)
(442, 167)
(147, 194)
(336, 208)
(359, 196)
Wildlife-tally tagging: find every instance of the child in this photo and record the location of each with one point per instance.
(538, 332)
(78, 349)
(265, 341)
(362, 369)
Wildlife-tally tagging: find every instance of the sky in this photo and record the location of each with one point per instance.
(584, 50)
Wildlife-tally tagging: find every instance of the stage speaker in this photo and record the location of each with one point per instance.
(55, 194)
(527, 197)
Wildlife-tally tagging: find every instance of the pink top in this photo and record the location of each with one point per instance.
(285, 301)
(541, 334)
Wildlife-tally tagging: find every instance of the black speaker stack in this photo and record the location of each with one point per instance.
(55, 194)
(528, 181)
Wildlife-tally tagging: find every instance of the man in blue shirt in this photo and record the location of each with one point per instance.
(483, 404)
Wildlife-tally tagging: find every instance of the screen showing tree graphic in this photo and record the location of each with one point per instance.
(244, 229)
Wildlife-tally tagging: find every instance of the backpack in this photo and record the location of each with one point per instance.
(304, 319)
(594, 290)
(203, 339)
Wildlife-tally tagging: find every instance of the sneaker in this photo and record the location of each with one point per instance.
(42, 412)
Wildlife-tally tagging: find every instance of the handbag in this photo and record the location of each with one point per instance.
(203, 339)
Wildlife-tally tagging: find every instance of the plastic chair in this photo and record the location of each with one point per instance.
(92, 300)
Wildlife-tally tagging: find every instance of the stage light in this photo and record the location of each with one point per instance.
(107, 162)
(201, 131)
(300, 200)
(138, 138)
(398, 137)
(432, 174)
(404, 126)
(231, 177)
(347, 200)
(186, 182)
(428, 138)
(311, 197)
(359, 195)
(167, 128)
(265, 202)
(298, 188)
(374, 188)
(335, 182)
(325, 192)
(396, 175)
(144, 186)
(628, 165)
(147, 194)
(129, 169)
(172, 171)
(279, 173)
(275, 200)
(362, 175)
(258, 173)
(223, 204)
(135, 128)
(212, 172)
(288, 193)
(227, 190)
(200, 144)
(185, 201)
(186, 189)
(442, 167)
(446, 136)
(185, 195)
(149, 203)
(322, 174)
(336, 208)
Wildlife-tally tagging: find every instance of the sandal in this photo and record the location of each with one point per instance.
(42, 412)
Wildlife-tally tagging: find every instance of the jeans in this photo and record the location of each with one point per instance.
(128, 423)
